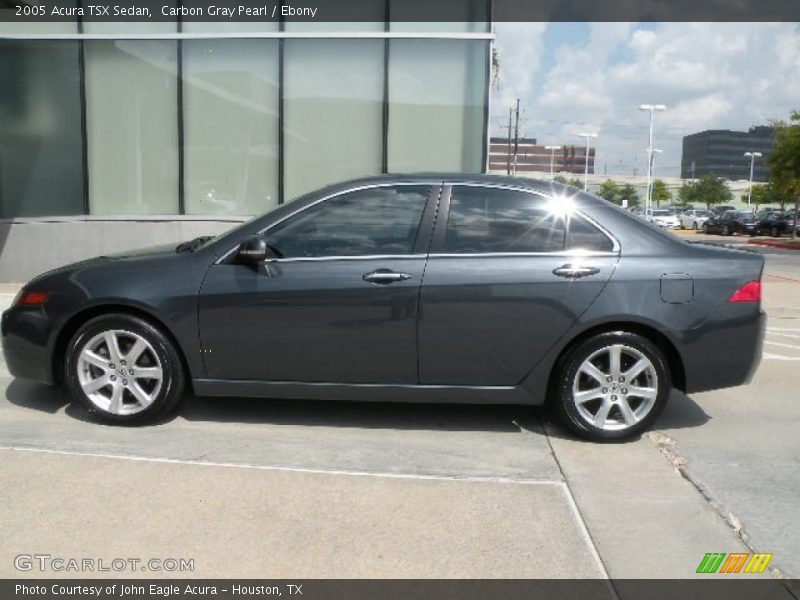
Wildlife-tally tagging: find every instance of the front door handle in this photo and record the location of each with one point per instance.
(385, 276)
(575, 271)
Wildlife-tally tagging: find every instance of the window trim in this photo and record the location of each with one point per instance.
(428, 213)
(444, 210)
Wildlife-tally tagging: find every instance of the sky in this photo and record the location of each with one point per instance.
(592, 77)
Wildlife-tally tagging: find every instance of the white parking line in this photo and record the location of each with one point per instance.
(770, 356)
(782, 334)
(795, 346)
(581, 525)
(203, 463)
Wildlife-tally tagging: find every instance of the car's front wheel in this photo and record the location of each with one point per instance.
(612, 386)
(123, 370)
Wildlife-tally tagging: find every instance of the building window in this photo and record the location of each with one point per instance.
(436, 105)
(230, 111)
(333, 120)
(41, 157)
(131, 122)
(486, 220)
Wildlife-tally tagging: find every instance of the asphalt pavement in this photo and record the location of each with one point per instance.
(252, 488)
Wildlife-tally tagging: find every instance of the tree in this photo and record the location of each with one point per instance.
(628, 192)
(660, 192)
(575, 182)
(766, 194)
(709, 190)
(784, 160)
(495, 67)
(687, 195)
(610, 191)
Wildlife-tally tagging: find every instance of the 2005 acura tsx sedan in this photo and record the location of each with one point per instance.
(434, 288)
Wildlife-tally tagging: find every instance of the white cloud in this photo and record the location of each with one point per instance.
(710, 76)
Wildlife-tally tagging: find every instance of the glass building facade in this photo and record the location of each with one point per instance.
(216, 119)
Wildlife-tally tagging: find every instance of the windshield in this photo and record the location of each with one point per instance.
(744, 214)
(661, 213)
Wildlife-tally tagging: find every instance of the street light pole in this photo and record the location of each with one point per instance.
(653, 170)
(652, 108)
(552, 157)
(752, 156)
(587, 136)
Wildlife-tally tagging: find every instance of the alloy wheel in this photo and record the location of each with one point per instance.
(615, 387)
(119, 372)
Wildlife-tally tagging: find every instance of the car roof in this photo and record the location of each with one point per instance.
(540, 185)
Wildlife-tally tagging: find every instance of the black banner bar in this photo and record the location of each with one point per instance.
(728, 588)
(475, 11)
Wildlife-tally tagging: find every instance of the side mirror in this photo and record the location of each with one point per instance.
(252, 249)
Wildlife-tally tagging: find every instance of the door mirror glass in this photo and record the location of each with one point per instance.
(252, 249)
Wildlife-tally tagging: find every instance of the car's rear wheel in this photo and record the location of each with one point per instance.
(123, 370)
(612, 386)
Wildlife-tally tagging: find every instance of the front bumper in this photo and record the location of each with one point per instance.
(25, 335)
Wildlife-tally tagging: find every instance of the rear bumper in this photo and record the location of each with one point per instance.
(724, 353)
(25, 335)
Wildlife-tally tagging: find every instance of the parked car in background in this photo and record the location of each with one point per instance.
(731, 222)
(694, 218)
(662, 217)
(532, 292)
(776, 223)
(720, 209)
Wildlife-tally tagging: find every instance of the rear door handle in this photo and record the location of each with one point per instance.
(575, 271)
(385, 276)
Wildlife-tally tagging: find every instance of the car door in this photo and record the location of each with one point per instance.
(510, 271)
(339, 301)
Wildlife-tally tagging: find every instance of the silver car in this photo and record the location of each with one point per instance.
(694, 218)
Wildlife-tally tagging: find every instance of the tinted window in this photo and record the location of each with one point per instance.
(495, 220)
(381, 220)
(585, 236)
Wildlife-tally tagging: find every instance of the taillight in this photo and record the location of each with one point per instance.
(749, 292)
(31, 299)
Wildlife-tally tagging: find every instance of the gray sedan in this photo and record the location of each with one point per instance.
(435, 288)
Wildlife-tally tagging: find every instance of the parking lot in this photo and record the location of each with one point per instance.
(271, 489)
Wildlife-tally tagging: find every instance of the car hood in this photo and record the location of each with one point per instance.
(161, 250)
(164, 250)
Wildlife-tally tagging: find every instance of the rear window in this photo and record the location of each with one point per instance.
(492, 220)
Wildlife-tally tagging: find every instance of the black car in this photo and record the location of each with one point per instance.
(732, 221)
(776, 223)
(435, 288)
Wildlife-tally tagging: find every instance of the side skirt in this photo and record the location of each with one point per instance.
(370, 392)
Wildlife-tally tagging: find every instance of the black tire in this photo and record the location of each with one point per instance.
(567, 371)
(172, 381)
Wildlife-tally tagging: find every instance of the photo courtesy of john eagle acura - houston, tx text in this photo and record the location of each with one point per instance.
(429, 288)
